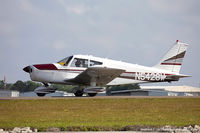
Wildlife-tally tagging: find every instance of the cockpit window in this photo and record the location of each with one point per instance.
(92, 63)
(65, 61)
(77, 62)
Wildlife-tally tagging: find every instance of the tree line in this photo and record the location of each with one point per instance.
(28, 86)
(20, 86)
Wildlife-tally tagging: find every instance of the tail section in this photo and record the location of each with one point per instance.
(172, 61)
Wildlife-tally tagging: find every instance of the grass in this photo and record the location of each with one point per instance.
(98, 112)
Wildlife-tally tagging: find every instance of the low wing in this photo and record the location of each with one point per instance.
(98, 75)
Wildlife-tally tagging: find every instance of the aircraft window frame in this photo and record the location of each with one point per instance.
(79, 62)
(95, 63)
(65, 61)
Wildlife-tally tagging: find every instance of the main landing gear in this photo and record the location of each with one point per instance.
(40, 94)
(80, 93)
(92, 94)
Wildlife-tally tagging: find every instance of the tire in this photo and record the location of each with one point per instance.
(41, 94)
(92, 94)
(78, 93)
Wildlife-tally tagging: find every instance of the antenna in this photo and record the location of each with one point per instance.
(4, 81)
(199, 84)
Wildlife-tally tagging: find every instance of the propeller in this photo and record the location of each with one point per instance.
(27, 69)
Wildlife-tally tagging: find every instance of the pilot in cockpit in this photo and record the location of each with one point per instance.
(78, 63)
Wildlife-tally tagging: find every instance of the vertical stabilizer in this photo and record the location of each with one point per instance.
(172, 61)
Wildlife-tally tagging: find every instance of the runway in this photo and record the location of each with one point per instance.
(97, 97)
(95, 132)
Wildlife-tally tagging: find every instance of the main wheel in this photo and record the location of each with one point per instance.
(78, 93)
(92, 94)
(41, 94)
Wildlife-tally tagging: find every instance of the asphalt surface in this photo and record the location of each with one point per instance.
(105, 132)
(97, 97)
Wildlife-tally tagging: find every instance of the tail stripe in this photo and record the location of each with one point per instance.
(181, 55)
(172, 61)
(175, 60)
(171, 64)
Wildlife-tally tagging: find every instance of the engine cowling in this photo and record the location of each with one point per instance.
(42, 91)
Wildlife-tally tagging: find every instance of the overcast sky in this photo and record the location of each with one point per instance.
(135, 31)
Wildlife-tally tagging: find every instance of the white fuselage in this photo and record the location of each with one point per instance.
(57, 73)
(91, 73)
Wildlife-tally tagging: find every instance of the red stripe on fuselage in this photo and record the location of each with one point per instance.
(147, 73)
(45, 66)
(72, 69)
(170, 63)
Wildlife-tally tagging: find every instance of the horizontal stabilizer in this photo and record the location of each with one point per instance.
(180, 76)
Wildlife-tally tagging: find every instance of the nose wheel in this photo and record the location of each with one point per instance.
(44, 89)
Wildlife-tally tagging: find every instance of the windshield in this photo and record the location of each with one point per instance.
(65, 61)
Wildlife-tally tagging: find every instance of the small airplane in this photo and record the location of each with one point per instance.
(92, 74)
